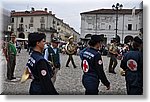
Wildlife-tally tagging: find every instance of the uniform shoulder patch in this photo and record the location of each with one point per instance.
(43, 72)
(100, 62)
(132, 65)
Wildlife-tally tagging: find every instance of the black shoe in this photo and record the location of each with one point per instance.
(112, 72)
(13, 78)
(67, 66)
(75, 66)
(9, 79)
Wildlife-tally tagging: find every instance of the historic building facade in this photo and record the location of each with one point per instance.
(103, 21)
(5, 24)
(25, 22)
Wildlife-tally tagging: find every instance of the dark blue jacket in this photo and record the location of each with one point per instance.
(92, 65)
(42, 73)
(132, 63)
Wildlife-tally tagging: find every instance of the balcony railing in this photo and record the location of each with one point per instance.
(52, 30)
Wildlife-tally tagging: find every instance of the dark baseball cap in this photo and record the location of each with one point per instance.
(55, 40)
(97, 38)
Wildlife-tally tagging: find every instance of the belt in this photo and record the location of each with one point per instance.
(12, 54)
(91, 74)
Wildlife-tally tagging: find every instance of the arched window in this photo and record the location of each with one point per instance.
(88, 36)
(21, 35)
(128, 39)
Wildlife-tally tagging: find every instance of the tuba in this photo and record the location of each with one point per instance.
(71, 48)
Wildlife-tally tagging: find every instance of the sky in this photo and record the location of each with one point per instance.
(68, 10)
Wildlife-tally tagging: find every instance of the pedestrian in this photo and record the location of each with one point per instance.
(113, 52)
(92, 66)
(132, 64)
(40, 69)
(18, 46)
(4, 48)
(10, 55)
(52, 55)
(71, 49)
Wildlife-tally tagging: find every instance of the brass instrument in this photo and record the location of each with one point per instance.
(122, 72)
(71, 48)
(51, 64)
(25, 75)
(113, 49)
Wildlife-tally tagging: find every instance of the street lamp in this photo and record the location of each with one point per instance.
(116, 8)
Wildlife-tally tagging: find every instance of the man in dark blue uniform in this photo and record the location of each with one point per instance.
(92, 66)
(132, 64)
(40, 70)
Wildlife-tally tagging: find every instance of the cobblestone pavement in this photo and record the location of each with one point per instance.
(68, 80)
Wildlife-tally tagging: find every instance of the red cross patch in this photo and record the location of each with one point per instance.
(132, 65)
(85, 66)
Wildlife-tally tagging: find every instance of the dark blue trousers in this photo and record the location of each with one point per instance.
(90, 84)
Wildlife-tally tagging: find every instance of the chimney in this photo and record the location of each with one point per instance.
(50, 12)
(45, 9)
(32, 9)
(13, 11)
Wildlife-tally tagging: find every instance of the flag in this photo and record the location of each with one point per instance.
(133, 11)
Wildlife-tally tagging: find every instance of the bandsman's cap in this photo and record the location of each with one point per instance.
(71, 37)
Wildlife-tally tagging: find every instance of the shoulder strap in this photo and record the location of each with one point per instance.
(50, 50)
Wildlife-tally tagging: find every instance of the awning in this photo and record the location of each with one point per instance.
(21, 39)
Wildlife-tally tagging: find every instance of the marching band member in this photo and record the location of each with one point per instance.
(52, 56)
(71, 49)
(113, 51)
